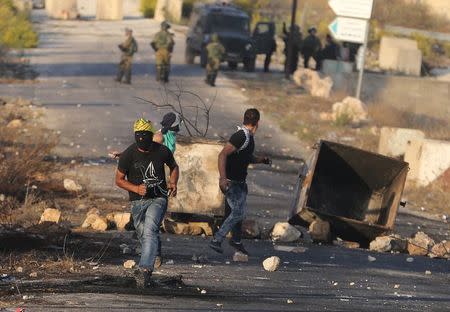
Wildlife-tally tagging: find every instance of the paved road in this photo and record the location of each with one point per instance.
(77, 61)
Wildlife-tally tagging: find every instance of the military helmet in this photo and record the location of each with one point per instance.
(215, 37)
(311, 29)
(165, 25)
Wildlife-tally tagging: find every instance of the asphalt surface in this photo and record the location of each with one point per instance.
(77, 61)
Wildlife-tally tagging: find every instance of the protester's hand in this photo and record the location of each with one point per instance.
(114, 154)
(267, 161)
(172, 188)
(141, 190)
(223, 184)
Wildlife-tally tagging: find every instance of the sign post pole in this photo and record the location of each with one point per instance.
(363, 60)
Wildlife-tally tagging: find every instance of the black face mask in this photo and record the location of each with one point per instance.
(144, 139)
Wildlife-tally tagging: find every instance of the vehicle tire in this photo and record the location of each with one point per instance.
(189, 55)
(249, 64)
(203, 58)
(232, 65)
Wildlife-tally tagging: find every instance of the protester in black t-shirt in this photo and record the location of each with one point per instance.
(233, 163)
(141, 173)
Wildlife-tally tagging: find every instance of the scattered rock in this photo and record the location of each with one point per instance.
(290, 301)
(251, 229)
(319, 230)
(295, 249)
(181, 228)
(170, 262)
(33, 274)
(205, 226)
(389, 243)
(72, 186)
(240, 257)
(271, 264)
(284, 232)
(350, 110)
(95, 222)
(410, 259)
(50, 215)
(19, 269)
(203, 291)
(122, 219)
(440, 250)
(312, 83)
(346, 244)
(129, 264)
(2, 197)
(427, 272)
(14, 124)
(420, 244)
(371, 259)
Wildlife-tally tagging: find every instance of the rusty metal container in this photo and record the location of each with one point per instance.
(357, 191)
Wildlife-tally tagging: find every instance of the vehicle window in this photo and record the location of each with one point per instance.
(220, 23)
(262, 29)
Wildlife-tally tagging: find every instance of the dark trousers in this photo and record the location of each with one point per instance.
(293, 65)
(267, 61)
(315, 56)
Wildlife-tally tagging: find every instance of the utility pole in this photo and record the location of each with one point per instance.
(290, 47)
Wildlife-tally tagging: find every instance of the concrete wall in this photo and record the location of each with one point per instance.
(400, 55)
(169, 10)
(88, 8)
(61, 9)
(109, 9)
(425, 96)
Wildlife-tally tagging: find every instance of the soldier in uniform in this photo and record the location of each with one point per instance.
(163, 44)
(216, 52)
(311, 48)
(128, 48)
(296, 46)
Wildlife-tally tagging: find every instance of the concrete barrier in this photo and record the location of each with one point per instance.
(428, 160)
(394, 141)
(400, 55)
(109, 10)
(198, 187)
(62, 9)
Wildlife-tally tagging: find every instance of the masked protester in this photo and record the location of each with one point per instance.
(141, 172)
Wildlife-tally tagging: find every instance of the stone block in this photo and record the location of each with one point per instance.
(394, 141)
(169, 10)
(61, 9)
(109, 10)
(428, 160)
(198, 186)
(319, 230)
(271, 264)
(50, 215)
(284, 232)
(400, 55)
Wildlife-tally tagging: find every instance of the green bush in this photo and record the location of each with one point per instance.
(16, 30)
(148, 8)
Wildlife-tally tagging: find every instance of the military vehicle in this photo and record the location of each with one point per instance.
(232, 24)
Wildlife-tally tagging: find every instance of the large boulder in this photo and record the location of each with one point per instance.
(350, 110)
(95, 221)
(119, 219)
(312, 83)
(284, 232)
(72, 186)
(388, 243)
(440, 250)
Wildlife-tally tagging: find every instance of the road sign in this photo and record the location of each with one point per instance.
(349, 29)
(352, 8)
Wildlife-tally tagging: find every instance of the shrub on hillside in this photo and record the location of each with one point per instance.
(16, 30)
(148, 8)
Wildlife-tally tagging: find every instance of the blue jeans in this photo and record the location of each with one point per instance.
(148, 215)
(236, 200)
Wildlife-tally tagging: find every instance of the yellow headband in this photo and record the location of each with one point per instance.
(143, 125)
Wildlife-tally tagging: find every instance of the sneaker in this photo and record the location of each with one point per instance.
(238, 246)
(158, 262)
(148, 279)
(216, 246)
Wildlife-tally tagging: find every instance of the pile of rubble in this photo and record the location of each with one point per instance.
(310, 80)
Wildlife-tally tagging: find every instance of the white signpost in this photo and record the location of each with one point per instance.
(352, 25)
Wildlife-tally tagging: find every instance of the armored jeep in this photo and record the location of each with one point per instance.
(233, 27)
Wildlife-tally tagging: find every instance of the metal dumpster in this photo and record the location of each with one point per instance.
(357, 191)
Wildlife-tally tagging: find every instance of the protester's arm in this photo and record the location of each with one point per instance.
(222, 163)
(158, 137)
(128, 186)
(173, 181)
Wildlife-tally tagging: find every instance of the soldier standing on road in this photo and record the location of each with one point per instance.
(129, 48)
(296, 47)
(216, 52)
(141, 173)
(233, 163)
(163, 44)
(311, 48)
(268, 59)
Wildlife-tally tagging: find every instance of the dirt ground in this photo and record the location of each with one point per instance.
(299, 113)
